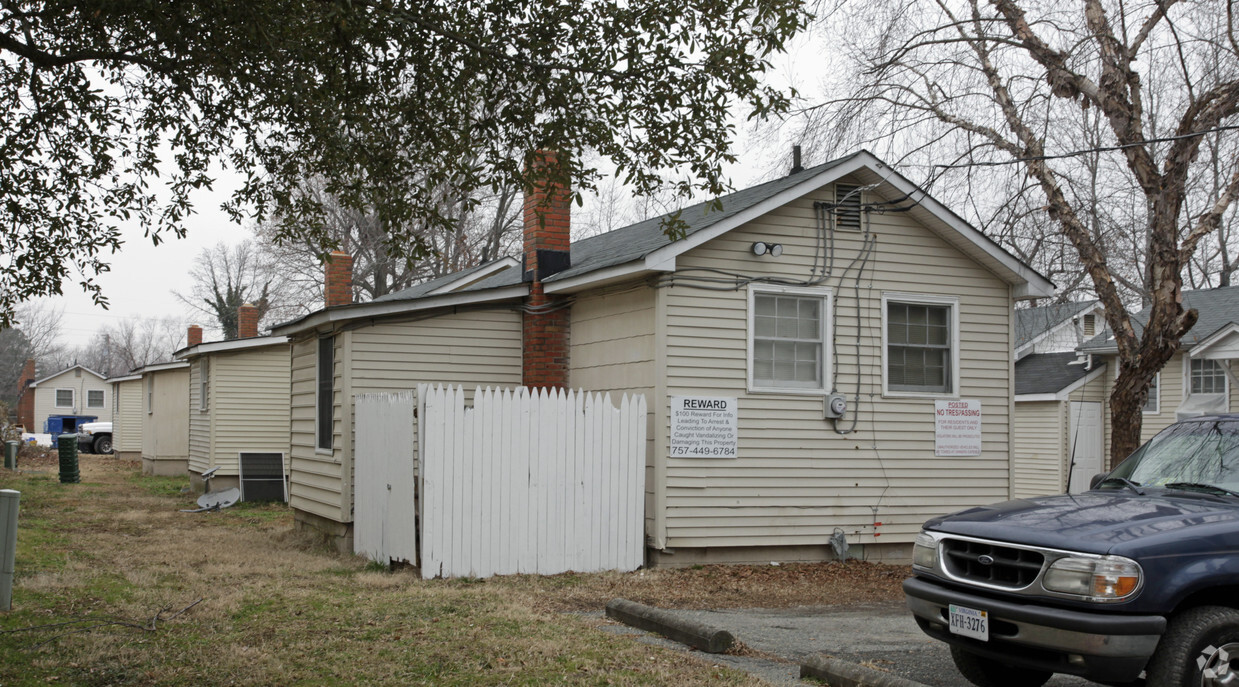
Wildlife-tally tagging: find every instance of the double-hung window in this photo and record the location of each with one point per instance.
(789, 342)
(325, 394)
(1152, 404)
(64, 398)
(94, 398)
(920, 348)
(204, 384)
(1207, 377)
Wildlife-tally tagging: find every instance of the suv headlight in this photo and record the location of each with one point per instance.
(1110, 578)
(925, 552)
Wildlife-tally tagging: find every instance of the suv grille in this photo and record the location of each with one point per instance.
(1002, 566)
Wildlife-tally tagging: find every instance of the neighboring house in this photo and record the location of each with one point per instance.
(165, 418)
(844, 279)
(238, 402)
(128, 410)
(1058, 423)
(75, 391)
(1199, 379)
(1057, 328)
(1057, 399)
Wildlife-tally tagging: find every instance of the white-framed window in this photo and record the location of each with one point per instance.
(324, 398)
(204, 388)
(920, 345)
(1206, 377)
(1152, 404)
(789, 339)
(64, 398)
(150, 394)
(95, 398)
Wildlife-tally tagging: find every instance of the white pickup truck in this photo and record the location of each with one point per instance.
(95, 437)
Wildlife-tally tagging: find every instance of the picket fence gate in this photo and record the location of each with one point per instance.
(521, 482)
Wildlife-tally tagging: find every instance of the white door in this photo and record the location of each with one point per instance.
(1085, 443)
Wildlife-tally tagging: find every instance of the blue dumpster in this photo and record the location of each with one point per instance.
(65, 424)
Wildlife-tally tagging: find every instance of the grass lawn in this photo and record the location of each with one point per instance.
(115, 586)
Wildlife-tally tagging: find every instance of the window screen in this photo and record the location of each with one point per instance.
(918, 354)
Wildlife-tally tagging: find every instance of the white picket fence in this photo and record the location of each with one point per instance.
(520, 482)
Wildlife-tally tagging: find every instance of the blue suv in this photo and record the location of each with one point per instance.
(1135, 579)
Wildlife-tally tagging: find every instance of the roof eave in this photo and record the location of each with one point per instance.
(376, 309)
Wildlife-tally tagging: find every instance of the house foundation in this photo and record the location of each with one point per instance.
(894, 553)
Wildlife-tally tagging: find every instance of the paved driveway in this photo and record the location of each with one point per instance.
(881, 636)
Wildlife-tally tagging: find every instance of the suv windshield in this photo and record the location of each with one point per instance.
(1188, 455)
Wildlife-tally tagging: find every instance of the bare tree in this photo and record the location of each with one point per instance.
(1010, 82)
(227, 277)
(120, 348)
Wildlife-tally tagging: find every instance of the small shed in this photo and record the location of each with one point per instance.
(1059, 425)
(165, 410)
(238, 407)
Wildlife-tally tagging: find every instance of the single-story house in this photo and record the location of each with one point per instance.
(1057, 399)
(856, 333)
(1197, 380)
(238, 401)
(128, 409)
(74, 391)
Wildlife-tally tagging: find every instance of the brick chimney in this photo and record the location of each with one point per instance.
(25, 397)
(339, 279)
(547, 220)
(247, 321)
(193, 336)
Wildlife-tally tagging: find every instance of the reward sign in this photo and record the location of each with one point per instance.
(703, 427)
(957, 428)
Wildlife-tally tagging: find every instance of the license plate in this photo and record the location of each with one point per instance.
(969, 622)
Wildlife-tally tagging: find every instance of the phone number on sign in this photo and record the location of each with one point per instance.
(702, 451)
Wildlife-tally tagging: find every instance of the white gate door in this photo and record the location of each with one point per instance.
(384, 511)
(1085, 442)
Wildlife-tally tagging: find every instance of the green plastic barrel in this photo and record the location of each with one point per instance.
(10, 453)
(67, 445)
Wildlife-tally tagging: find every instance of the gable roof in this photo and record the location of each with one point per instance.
(1033, 324)
(1216, 308)
(69, 369)
(644, 248)
(1051, 373)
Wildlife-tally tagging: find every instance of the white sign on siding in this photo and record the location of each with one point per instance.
(957, 428)
(703, 427)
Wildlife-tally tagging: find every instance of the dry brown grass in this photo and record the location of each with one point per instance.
(266, 605)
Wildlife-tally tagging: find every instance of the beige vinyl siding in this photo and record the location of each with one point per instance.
(796, 479)
(315, 479)
(1172, 393)
(127, 420)
(167, 427)
(613, 350)
(200, 426)
(473, 348)
(45, 397)
(250, 404)
(1038, 453)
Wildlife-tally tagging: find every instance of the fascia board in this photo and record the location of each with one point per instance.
(388, 308)
(606, 275)
(473, 277)
(234, 345)
(1201, 349)
(126, 378)
(160, 367)
(68, 369)
(1032, 398)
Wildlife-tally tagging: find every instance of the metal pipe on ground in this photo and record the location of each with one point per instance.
(9, 500)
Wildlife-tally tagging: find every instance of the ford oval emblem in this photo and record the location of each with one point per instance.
(985, 559)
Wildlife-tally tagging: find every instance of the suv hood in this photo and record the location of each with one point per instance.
(1105, 522)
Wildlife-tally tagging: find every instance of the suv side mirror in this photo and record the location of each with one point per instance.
(1097, 478)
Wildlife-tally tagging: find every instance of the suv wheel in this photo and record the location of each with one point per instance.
(103, 444)
(1200, 649)
(986, 672)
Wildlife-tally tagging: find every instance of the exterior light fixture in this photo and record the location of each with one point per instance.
(762, 248)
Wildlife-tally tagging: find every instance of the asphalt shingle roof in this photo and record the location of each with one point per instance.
(1031, 323)
(1216, 308)
(1047, 373)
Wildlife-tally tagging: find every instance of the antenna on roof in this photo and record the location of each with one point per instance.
(796, 168)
